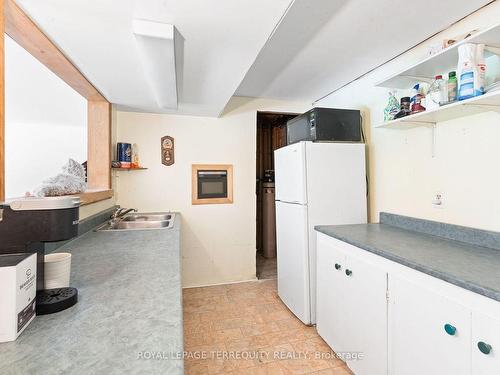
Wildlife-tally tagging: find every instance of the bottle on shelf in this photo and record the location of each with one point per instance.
(417, 98)
(437, 94)
(135, 156)
(404, 108)
(452, 87)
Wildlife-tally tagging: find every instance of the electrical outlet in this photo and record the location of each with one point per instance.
(438, 200)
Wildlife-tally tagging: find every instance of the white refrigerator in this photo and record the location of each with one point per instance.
(316, 184)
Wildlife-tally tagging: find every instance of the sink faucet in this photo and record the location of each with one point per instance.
(120, 212)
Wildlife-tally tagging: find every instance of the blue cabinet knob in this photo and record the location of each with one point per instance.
(450, 330)
(348, 272)
(337, 266)
(484, 347)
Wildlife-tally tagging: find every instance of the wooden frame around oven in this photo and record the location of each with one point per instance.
(211, 167)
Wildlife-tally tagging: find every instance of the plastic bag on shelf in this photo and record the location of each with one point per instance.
(70, 181)
(392, 107)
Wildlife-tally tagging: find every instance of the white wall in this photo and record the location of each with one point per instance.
(404, 175)
(218, 241)
(46, 122)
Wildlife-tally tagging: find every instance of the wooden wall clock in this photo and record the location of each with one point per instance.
(167, 150)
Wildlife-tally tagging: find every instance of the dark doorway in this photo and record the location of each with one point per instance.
(271, 135)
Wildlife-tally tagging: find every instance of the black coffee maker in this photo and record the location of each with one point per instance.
(25, 224)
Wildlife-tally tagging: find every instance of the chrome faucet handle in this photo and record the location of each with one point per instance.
(116, 213)
(119, 212)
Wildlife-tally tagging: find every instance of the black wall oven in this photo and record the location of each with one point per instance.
(212, 184)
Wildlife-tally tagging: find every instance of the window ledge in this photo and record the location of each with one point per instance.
(94, 195)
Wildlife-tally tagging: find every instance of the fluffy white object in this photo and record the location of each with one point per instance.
(70, 181)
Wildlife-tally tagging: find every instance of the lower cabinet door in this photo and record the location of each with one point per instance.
(365, 309)
(331, 313)
(485, 345)
(428, 333)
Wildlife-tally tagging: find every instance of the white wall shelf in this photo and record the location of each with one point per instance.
(484, 103)
(441, 62)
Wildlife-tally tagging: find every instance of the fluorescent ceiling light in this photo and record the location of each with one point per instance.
(156, 42)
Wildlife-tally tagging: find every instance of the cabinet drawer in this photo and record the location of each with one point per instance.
(485, 345)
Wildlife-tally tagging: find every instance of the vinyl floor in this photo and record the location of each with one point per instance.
(245, 329)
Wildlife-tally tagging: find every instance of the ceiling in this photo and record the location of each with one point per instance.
(321, 45)
(217, 42)
(282, 49)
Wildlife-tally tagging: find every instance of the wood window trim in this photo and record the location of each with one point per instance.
(15, 23)
(92, 196)
(211, 167)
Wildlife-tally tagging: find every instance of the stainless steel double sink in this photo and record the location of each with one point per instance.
(140, 221)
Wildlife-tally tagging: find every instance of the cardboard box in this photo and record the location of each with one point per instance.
(17, 294)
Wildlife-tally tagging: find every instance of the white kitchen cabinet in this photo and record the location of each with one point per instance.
(405, 322)
(352, 307)
(366, 305)
(485, 345)
(428, 333)
(331, 318)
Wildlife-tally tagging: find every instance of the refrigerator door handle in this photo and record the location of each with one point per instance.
(291, 202)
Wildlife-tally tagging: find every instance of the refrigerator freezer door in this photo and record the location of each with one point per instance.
(290, 173)
(293, 258)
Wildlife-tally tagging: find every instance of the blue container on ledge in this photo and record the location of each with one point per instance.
(124, 154)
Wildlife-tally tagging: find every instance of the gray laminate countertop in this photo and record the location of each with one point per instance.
(128, 319)
(467, 265)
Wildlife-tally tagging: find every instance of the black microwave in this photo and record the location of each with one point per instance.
(325, 124)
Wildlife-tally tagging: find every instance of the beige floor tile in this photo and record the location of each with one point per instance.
(231, 334)
(254, 370)
(236, 295)
(274, 353)
(315, 344)
(198, 328)
(242, 364)
(303, 365)
(318, 349)
(208, 348)
(248, 343)
(208, 316)
(272, 368)
(334, 371)
(251, 310)
(195, 368)
(279, 314)
(277, 338)
(249, 318)
(275, 306)
(219, 366)
(254, 329)
(229, 323)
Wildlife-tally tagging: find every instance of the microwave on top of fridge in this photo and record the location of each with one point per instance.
(326, 124)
